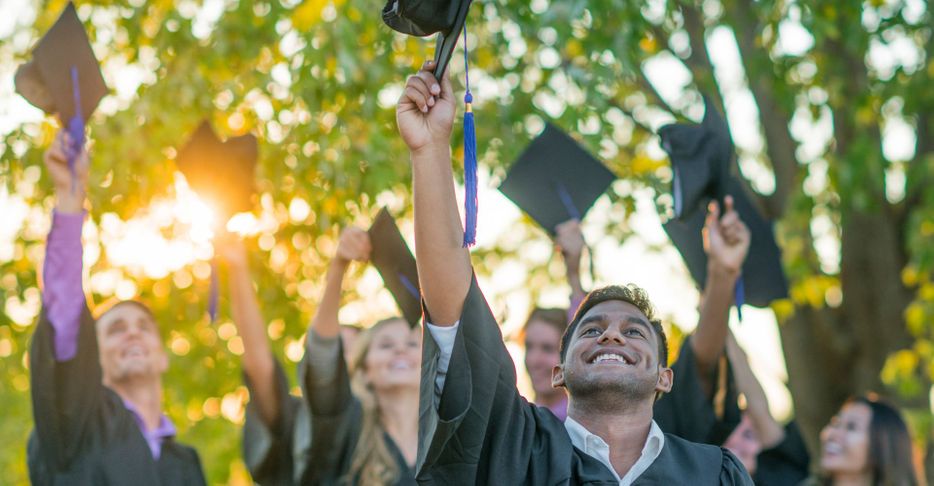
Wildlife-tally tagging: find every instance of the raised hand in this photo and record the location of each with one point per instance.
(69, 194)
(230, 249)
(726, 239)
(570, 240)
(353, 245)
(425, 112)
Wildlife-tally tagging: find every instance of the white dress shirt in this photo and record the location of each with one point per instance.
(591, 444)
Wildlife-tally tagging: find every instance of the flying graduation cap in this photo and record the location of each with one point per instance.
(555, 179)
(700, 159)
(221, 173)
(64, 77)
(396, 265)
(447, 18)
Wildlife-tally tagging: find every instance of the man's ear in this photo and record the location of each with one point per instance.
(557, 376)
(666, 378)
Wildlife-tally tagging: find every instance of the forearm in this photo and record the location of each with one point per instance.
(757, 404)
(712, 327)
(443, 264)
(257, 355)
(325, 322)
(574, 281)
(63, 295)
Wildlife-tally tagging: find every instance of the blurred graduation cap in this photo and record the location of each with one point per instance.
(220, 172)
(426, 17)
(395, 263)
(447, 18)
(700, 158)
(555, 179)
(64, 77)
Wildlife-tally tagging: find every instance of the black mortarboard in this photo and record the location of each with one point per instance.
(555, 179)
(62, 56)
(763, 279)
(426, 17)
(220, 172)
(700, 160)
(395, 263)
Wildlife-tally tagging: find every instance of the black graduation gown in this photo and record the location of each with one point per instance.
(83, 432)
(690, 413)
(275, 455)
(336, 422)
(786, 463)
(483, 432)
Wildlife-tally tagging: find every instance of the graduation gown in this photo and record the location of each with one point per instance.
(83, 433)
(479, 430)
(275, 455)
(689, 412)
(314, 442)
(786, 463)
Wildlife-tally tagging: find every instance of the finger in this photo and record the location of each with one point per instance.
(730, 218)
(416, 97)
(431, 85)
(447, 92)
(713, 215)
(728, 202)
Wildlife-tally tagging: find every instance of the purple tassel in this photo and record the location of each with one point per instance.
(75, 129)
(212, 299)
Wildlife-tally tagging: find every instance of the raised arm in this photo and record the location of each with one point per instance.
(63, 296)
(258, 362)
(726, 242)
(425, 115)
(570, 242)
(757, 404)
(354, 244)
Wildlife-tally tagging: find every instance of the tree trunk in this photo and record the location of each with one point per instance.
(834, 353)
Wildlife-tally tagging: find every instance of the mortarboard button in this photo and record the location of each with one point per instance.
(555, 179)
(396, 265)
(220, 172)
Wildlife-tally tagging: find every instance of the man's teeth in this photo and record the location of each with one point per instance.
(832, 448)
(609, 358)
(400, 365)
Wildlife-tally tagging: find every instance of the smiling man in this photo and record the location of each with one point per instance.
(474, 426)
(96, 385)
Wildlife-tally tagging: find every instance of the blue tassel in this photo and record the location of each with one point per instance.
(212, 299)
(739, 297)
(75, 129)
(470, 159)
(410, 287)
(470, 174)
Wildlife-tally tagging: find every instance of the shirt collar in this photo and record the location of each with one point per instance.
(165, 429)
(594, 446)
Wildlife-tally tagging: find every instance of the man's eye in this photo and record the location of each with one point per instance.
(634, 332)
(591, 331)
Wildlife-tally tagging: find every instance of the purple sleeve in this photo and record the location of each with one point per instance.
(575, 303)
(63, 297)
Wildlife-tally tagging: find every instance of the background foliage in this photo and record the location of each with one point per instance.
(317, 81)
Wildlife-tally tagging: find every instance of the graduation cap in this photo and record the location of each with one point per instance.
(64, 77)
(427, 17)
(221, 172)
(395, 263)
(447, 18)
(555, 179)
(700, 158)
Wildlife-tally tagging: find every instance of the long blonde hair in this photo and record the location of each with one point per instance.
(372, 463)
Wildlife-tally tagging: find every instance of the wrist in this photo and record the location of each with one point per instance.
(339, 263)
(69, 203)
(432, 150)
(721, 272)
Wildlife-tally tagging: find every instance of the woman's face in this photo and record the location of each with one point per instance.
(845, 441)
(393, 358)
(744, 444)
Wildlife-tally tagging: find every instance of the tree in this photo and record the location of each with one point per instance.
(317, 80)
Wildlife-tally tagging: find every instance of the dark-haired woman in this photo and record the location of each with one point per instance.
(866, 443)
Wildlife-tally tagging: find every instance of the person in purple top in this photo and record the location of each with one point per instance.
(96, 382)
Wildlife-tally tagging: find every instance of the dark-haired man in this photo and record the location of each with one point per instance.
(474, 427)
(96, 385)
